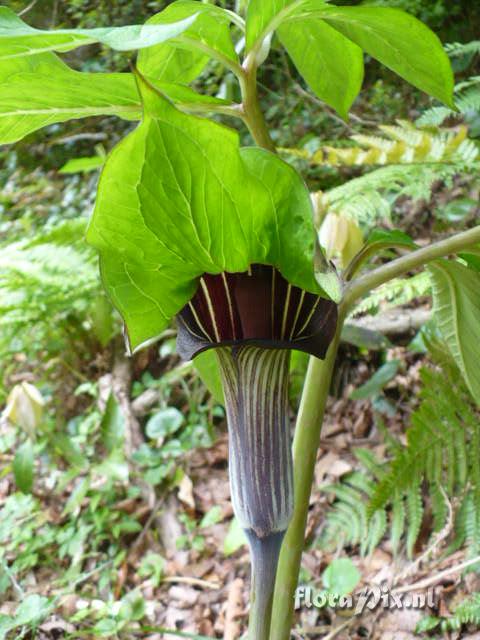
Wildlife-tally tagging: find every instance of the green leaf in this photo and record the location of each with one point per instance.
(185, 57)
(376, 383)
(456, 296)
(428, 623)
(472, 259)
(83, 165)
(170, 208)
(400, 42)
(33, 609)
(41, 90)
(77, 495)
(331, 64)
(260, 17)
(164, 422)
(213, 516)
(112, 426)
(341, 576)
(23, 467)
(265, 16)
(389, 237)
(234, 539)
(102, 320)
(206, 364)
(184, 95)
(70, 451)
(19, 39)
(364, 338)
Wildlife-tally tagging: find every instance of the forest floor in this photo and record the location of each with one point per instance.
(203, 583)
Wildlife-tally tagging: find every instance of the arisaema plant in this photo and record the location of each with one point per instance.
(191, 226)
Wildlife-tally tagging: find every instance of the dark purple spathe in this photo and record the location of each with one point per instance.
(259, 308)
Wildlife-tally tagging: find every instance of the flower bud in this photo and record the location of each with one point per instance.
(25, 407)
(340, 237)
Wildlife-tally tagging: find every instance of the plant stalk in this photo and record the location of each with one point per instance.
(252, 112)
(364, 284)
(305, 446)
(264, 553)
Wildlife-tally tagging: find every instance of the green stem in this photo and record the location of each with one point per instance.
(264, 553)
(310, 418)
(364, 284)
(252, 112)
(305, 446)
(367, 252)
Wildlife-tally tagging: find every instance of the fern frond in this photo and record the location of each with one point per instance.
(43, 281)
(398, 519)
(414, 505)
(466, 612)
(403, 143)
(466, 98)
(394, 293)
(457, 49)
(368, 199)
(438, 466)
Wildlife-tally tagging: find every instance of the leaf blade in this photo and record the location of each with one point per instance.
(380, 32)
(23, 467)
(182, 209)
(18, 39)
(456, 295)
(331, 64)
(184, 58)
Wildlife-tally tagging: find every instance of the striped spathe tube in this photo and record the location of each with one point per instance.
(253, 320)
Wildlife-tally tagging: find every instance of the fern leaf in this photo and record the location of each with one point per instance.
(415, 515)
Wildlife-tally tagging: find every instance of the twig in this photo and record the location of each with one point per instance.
(27, 8)
(79, 136)
(428, 582)
(207, 584)
(334, 632)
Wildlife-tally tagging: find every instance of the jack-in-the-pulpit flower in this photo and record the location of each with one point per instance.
(253, 320)
(190, 225)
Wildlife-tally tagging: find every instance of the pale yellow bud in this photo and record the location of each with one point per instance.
(25, 407)
(340, 237)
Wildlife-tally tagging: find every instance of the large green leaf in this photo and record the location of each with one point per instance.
(397, 40)
(331, 64)
(456, 294)
(264, 16)
(184, 58)
(260, 16)
(41, 90)
(19, 39)
(178, 198)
